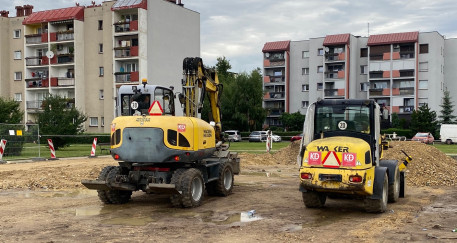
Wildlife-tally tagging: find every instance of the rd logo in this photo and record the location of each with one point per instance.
(349, 159)
(315, 158)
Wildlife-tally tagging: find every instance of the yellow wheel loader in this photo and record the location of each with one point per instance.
(341, 156)
(162, 153)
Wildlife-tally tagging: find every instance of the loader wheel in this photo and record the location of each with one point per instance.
(113, 196)
(378, 205)
(192, 187)
(314, 199)
(224, 184)
(176, 180)
(394, 189)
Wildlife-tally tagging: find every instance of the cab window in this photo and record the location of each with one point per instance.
(166, 99)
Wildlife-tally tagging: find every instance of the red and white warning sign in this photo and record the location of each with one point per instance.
(155, 109)
(331, 160)
(314, 158)
(349, 159)
(181, 127)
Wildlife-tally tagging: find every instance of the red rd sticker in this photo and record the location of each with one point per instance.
(314, 158)
(349, 159)
(181, 127)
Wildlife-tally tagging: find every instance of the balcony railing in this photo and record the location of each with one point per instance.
(65, 58)
(37, 82)
(376, 92)
(274, 95)
(120, 52)
(334, 92)
(36, 104)
(125, 26)
(376, 74)
(36, 38)
(33, 61)
(407, 91)
(62, 36)
(62, 81)
(406, 109)
(334, 74)
(124, 77)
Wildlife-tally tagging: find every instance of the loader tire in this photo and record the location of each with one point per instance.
(176, 180)
(224, 184)
(192, 187)
(402, 185)
(378, 205)
(313, 199)
(394, 189)
(114, 196)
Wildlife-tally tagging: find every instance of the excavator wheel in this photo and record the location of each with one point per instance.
(109, 175)
(378, 205)
(192, 187)
(224, 184)
(176, 180)
(313, 199)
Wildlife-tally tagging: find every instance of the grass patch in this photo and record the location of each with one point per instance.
(255, 147)
(447, 149)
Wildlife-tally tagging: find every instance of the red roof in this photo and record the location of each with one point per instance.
(276, 46)
(126, 4)
(332, 40)
(55, 15)
(393, 38)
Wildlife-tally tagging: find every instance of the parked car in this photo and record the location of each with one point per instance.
(296, 137)
(233, 135)
(257, 136)
(424, 137)
(276, 138)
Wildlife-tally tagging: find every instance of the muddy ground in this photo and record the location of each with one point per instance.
(44, 202)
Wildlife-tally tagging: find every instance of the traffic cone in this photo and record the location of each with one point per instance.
(2, 150)
(53, 151)
(94, 146)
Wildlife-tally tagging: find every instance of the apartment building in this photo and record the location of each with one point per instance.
(85, 53)
(401, 71)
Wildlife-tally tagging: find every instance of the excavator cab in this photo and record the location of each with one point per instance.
(137, 99)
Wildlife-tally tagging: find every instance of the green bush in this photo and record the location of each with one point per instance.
(78, 139)
(408, 133)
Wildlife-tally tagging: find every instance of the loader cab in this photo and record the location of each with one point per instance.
(137, 99)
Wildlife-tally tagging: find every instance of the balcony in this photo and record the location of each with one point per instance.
(36, 38)
(124, 77)
(376, 74)
(63, 59)
(62, 82)
(126, 26)
(406, 109)
(67, 35)
(274, 63)
(274, 95)
(406, 73)
(122, 52)
(35, 61)
(37, 83)
(334, 92)
(406, 91)
(334, 74)
(335, 57)
(277, 79)
(34, 105)
(376, 92)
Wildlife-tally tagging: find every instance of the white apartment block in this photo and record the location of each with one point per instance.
(85, 53)
(399, 70)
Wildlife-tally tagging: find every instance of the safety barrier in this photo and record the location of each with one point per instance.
(51, 148)
(94, 146)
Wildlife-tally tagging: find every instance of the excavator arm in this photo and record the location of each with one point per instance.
(196, 82)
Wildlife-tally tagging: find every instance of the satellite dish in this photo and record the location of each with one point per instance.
(50, 54)
(326, 49)
(267, 54)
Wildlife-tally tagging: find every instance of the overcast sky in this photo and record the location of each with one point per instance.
(238, 29)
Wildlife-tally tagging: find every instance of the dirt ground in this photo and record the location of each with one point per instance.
(45, 202)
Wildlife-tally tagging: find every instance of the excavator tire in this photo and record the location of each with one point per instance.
(313, 199)
(378, 205)
(102, 194)
(176, 180)
(394, 189)
(224, 184)
(115, 196)
(192, 187)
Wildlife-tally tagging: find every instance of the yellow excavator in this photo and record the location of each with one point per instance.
(341, 156)
(162, 153)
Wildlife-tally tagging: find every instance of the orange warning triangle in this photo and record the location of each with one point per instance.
(331, 160)
(155, 109)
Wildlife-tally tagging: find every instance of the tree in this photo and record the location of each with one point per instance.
(446, 110)
(10, 111)
(424, 120)
(292, 122)
(222, 67)
(395, 121)
(58, 118)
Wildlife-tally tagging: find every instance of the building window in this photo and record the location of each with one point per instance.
(93, 121)
(364, 86)
(304, 71)
(305, 54)
(320, 86)
(320, 52)
(364, 69)
(423, 66)
(320, 69)
(423, 84)
(304, 104)
(101, 71)
(103, 121)
(18, 97)
(363, 52)
(305, 87)
(100, 25)
(101, 94)
(100, 48)
(17, 55)
(17, 76)
(423, 48)
(17, 34)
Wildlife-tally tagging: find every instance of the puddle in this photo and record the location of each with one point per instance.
(88, 211)
(129, 221)
(243, 217)
(292, 228)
